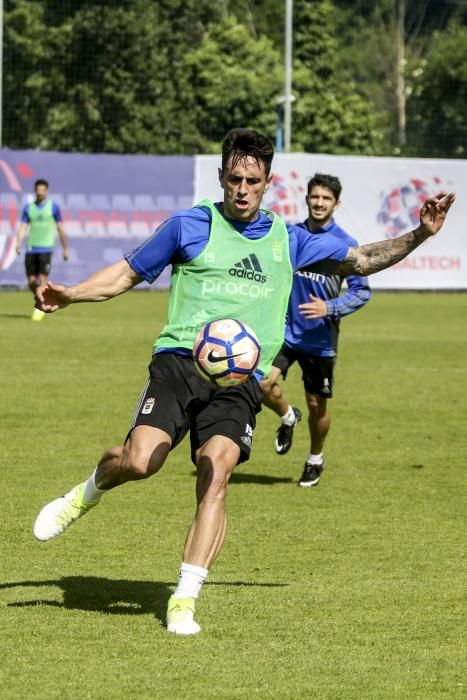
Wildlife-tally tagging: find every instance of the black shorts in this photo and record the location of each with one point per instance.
(37, 264)
(177, 399)
(317, 371)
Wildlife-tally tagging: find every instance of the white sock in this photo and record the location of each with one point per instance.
(289, 418)
(91, 493)
(315, 459)
(190, 581)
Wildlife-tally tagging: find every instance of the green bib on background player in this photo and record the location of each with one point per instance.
(42, 226)
(234, 277)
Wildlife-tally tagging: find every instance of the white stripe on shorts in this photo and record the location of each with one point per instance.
(139, 404)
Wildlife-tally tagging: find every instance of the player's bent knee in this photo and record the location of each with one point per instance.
(212, 485)
(114, 452)
(213, 474)
(142, 461)
(138, 465)
(221, 459)
(315, 402)
(276, 391)
(137, 470)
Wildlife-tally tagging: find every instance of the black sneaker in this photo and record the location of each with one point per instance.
(311, 475)
(285, 433)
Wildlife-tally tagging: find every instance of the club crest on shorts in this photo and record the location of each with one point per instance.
(148, 406)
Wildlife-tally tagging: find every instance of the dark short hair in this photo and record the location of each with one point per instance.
(330, 181)
(247, 143)
(41, 181)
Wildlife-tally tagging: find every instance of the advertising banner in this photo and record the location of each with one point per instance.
(109, 204)
(381, 198)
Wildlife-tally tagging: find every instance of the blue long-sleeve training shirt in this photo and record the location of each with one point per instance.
(320, 336)
(185, 235)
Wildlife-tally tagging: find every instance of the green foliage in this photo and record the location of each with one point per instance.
(315, 43)
(138, 76)
(263, 17)
(351, 590)
(367, 59)
(329, 116)
(440, 96)
(122, 102)
(236, 79)
(119, 84)
(368, 56)
(31, 77)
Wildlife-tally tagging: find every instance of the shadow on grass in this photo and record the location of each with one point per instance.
(113, 596)
(118, 597)
(243, 478)
(7, 315)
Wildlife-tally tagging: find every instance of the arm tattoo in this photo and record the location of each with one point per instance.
(373, 257)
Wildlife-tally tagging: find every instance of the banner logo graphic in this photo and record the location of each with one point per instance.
(400, 207)
(285, 196)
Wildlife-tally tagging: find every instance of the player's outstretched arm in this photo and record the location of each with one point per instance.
(373, 257)
(63, 240)
(100, 286)
(20, 236)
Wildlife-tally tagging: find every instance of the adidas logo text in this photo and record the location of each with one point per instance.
(248, 268)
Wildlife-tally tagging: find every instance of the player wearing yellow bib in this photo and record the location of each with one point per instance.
(42, 217)
(228, 259)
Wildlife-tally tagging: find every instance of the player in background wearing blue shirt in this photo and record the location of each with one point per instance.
(176, 399)
(41, 217)
(312, 331)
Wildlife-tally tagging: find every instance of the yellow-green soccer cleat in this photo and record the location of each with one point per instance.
(56, 516)
(37, 315)
(180, 613)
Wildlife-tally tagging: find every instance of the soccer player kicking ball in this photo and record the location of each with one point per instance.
(312, 332)
(204, 245)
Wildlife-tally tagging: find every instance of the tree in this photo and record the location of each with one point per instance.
(31, 77)
(381, 46)
(102, 75)
(262, 18)
(437, 108)
(138, 76)
(328, 115)
(236, 79)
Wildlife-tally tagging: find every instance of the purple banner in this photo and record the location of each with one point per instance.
(109, 204)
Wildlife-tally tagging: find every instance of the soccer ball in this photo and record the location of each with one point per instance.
(226, 352)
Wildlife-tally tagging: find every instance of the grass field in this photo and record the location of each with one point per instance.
(354, 589)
